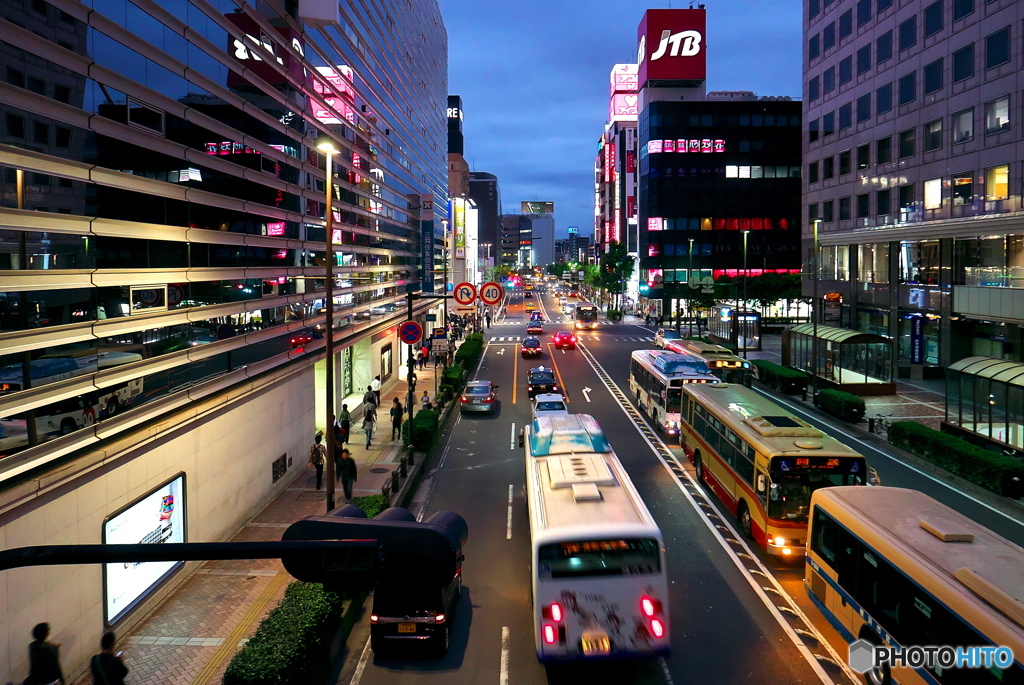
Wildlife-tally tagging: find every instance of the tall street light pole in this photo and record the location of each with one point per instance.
(814, 311)
(326, 145)
(689, 283)
(746, 277)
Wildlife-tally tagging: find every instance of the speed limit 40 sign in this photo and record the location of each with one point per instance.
(491, 293)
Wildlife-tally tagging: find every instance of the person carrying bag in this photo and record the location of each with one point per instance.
(317, 453)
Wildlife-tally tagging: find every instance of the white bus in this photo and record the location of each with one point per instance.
(656, 380)
(894, 566)
(598, 564)
(585, 315)
(722, 362)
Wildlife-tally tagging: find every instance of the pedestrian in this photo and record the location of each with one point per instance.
(345, 465)
(487, 319)
(369, 418)
(43, 658)
(369, 396)
(422, 356)
(375, 386)
(107, 667)
(317, 453)
(345, 423)
(437, 360)
(396, 418)
(425, 400)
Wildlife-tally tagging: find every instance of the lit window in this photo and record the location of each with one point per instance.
(997, 115)
(933, 193)
(732, 171)
(997, 182)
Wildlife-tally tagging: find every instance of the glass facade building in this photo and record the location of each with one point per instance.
(162, 201)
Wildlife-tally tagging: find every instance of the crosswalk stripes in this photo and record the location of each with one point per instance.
(614, 338)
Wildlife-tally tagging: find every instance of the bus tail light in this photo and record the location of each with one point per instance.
(553, 612)
(549, 634)
(657, 628)
(649, 606)
(440, 618)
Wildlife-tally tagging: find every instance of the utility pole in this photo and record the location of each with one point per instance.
(326, 145)
(814, 316)
(410, 377)
(746, 277)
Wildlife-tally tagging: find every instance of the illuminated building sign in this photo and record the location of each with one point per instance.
(276, 228)
(670, 46)
(609, 161)
(229, 147)
(625, 79)
(624, 107)
(707, 145)
(654, 223)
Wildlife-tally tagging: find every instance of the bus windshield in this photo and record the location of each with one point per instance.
(580, 558)
(584, 313)
(673, 400)
(789, 496)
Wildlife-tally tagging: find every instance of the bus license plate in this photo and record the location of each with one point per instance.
(407, 627)
(594, 644)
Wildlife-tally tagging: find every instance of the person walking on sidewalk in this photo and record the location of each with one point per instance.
(345, 423)
(487, 317)
(108, 668)
(317, 453)
(425, 400)
(369, 418)
(43, 659)
(396, 418)
(375, 386)
(369, 397)
(346, 467)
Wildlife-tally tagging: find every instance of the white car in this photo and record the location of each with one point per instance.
(664, 334)
(549, 404)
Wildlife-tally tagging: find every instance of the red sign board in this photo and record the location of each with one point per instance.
(671, 45)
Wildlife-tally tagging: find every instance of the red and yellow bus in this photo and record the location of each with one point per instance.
(762, 461)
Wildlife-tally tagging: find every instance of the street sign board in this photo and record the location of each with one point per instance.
(465, 310)
(465, 293)
(410, 332)
(431, 317)
(491, 293)
(439, 346)
(439, 334)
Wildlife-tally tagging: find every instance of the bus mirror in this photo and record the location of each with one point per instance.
(760, 483)
(773, 492)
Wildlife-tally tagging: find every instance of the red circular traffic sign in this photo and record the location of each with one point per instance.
(491, 293)
(410, 332)
(465, 293)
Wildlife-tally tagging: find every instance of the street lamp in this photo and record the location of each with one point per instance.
(689, 283)
(746, 277)
(814, 310)
(326, 145)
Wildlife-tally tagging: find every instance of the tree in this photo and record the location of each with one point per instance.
(616, 268)
(558, 269)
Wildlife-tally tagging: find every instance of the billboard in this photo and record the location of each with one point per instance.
(258, 49)
(624, 107)
(625, 79)
(460, 227)
(340, 78)
(670, 46)
(537, 207)
(156, 517)
(427, 242)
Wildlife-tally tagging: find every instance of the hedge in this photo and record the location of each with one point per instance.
(371, 504)
(292, 644)
(789, 381)
(842, 405)
(424, 428)
(614, 314)
(991, 470)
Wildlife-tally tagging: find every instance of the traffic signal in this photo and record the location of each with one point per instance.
(644, 287)
(427, 553)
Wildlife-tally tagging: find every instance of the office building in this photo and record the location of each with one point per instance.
(911, 151)
(484, 191)
(163, 255)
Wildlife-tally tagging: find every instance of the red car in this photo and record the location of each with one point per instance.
(574, 293)
(564, 340)
(301, 339)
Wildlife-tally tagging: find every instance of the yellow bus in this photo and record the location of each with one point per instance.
(894, 566)
(762, 461)
(722, 362)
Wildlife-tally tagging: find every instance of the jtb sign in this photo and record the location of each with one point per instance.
(671, 46)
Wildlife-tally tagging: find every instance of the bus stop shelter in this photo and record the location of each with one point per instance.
(985, 399)
(852, 361)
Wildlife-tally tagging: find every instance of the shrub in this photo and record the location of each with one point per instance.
(842, 405)
(469, 352)
(983, 467)
(789, 381)
(371, 504)
(614, 314)
(424, 429)
(292, 643)
(452, 380)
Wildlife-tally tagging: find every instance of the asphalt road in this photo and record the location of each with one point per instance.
(721, 630)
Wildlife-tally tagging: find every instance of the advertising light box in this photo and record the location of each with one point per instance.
(155, 518)
(670, 46)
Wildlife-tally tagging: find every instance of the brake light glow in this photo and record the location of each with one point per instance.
(374, 618)
(465, 399)
(657, 628)
(647, 606)
(549, 634)
(556, 612)
(440, 618)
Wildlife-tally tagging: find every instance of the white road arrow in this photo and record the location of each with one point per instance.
(501, 351)
(586, 393)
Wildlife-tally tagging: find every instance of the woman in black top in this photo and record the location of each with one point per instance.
(108, 668)
(43, 658)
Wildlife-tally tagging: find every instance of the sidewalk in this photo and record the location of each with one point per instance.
(191, 637)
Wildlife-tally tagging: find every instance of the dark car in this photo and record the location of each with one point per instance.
(535, 328)
(361, 316)
(528, 293)
(564, 340)
(531, 346)
(300, 339)
(540, 381)
(536, 316)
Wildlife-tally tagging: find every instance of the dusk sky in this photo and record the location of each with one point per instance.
(533, 76)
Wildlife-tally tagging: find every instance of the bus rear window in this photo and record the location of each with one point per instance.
(583, 558)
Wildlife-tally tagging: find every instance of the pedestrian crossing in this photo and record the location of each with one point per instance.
(583, 338)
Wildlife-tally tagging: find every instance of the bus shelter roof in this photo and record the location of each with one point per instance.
(989, 367)
(839, 335)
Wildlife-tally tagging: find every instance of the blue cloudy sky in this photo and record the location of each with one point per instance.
(533, 75)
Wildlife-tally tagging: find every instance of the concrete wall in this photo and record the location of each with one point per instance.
(226, 455)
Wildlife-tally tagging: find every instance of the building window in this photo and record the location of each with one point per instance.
(827, 211)
(813, 8)
(933, 193)
(882, 6)
(863, 157)
(997, 115)
(15, 126)
(864, 60)
(933, 18)
(908, 88)
(863, 12)
(997, 48)
(63, 137)
(883, 150)
(846, 71)
(883, 99)
(883, 202)
(812, 172)
(963, 189)
(828, 37)
(963, 126)
(844, 209)
(828, 169)
(828, 80)
(844, 162)
(906, 197)
(845, 24)
(863, 108)
(41, 133)
(997, 182)
(883, 47)
(828, 123)
(812, 130)
(37, 85)
(814, 47)
(933, 135)
(62, 93)
(961, 8)
(908, 34)
(812, 211)
(933, 77)
(963, 63)
(845, 116)
(814, 89)
(863, 206)
(907, 143)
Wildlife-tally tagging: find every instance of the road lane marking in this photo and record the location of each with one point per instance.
(515, 375)
(503, 673)
(508, 525)
(586, 393)
(663, 454)
(927, 475)
(565, 391)
(512, 437)
(361, 666)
